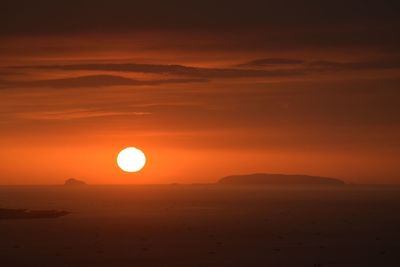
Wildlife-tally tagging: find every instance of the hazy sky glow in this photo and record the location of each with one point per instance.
(205, 90)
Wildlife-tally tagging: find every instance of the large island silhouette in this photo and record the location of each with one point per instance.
(279, 180)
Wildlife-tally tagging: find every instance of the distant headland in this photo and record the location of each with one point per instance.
(279, 180)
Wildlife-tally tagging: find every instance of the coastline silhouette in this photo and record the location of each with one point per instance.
(30, 214)
(280, 180)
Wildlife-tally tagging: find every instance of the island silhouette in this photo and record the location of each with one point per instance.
(74, 182)
(38, 214)
(280, 180)
(259, 179)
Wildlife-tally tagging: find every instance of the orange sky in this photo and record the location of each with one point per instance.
(201, 104)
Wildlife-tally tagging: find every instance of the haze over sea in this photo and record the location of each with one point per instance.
(203, 225)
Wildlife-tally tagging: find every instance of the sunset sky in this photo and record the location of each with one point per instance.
(205, 89)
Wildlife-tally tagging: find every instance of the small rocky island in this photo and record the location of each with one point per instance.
(30, 214)
(74, 182)
(279, 180)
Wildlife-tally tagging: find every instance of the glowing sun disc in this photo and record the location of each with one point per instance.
(131, 159)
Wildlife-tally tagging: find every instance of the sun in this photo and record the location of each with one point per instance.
(131, 159)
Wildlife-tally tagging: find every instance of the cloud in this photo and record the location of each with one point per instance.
(277, 67)
(272, 62)
(380, 64)
(180, 70)
(47, 16)
(91, 81)
(72, 114)
(326, 65)
(264, 26)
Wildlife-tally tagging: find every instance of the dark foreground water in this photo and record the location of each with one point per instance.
(202, 226)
